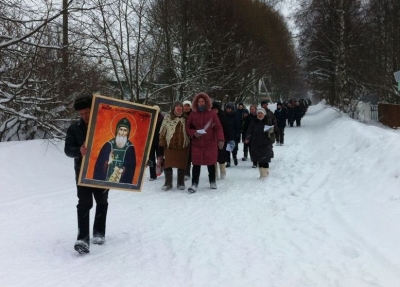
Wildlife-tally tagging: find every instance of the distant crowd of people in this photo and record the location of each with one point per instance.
(204, 132)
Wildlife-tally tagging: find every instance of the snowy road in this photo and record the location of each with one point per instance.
(326, 216)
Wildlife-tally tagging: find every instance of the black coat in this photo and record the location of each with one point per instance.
(246, 123)
(298, 112)
(76, 136)
(281, 116)
(290, 114)
(260, 144)
(234, 126)
(156, 136)
(222, 152)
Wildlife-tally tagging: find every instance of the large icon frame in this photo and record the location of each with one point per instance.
(106, 114)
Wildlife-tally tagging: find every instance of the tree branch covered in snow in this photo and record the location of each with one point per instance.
(31, 104)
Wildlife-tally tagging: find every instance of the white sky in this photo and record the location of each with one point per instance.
(287, 8)
(327, 216)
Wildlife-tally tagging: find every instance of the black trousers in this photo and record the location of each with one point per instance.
(246, 147)
(85, 203)
(86, 195)
(196, 173)
(189, 164)
(280, 135)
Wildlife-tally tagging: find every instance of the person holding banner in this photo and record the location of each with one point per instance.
(205, 130)
(75, 147)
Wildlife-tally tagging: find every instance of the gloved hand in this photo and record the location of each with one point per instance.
(220, 144)
(232, 143)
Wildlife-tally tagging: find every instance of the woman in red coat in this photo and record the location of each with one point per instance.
(205, 130)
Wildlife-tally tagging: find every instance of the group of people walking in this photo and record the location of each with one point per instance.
(197, 133)
(203, 133)
(193, 134)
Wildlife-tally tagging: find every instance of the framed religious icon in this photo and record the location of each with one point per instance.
(119, 139)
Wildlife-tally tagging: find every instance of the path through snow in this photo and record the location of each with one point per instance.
(326, 216)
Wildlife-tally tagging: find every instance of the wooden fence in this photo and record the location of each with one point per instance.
(389, 115)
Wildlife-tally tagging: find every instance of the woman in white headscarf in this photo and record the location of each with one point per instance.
(176, 144)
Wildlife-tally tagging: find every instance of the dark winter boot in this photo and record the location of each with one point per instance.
(168, 179)
(187, 171)
(181, 179)
(228, 163)
(82, 242)
(245, 154)
(195, 179)
(211, 176)
(193, 188)
(235, 161)
(99, 226)
(153, 174)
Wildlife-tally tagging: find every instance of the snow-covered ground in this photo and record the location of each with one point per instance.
(328, 215)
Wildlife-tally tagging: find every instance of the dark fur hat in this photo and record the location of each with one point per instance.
(84, 102)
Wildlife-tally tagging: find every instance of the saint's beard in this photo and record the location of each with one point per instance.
(120, 141)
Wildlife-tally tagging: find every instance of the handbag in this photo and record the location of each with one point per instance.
(160, 165)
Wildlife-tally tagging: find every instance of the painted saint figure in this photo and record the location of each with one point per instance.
(117, 157)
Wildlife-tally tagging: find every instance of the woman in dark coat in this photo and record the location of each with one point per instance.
(205, 131)
(281, 116)
(234, 128)
(298, 114)
(290, 114)
(221, 159)
(245, 125)
(252, 117)
(260, 143)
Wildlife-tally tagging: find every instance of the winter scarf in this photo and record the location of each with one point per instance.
(168, 128)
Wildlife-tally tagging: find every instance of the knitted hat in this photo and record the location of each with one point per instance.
(261, 110)
(264, 102)
(245, 111)
(230, 105)
(187, 103)
(84, 102)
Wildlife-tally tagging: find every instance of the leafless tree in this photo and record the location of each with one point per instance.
(382, 49)
(330, 38)
(31, 101)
